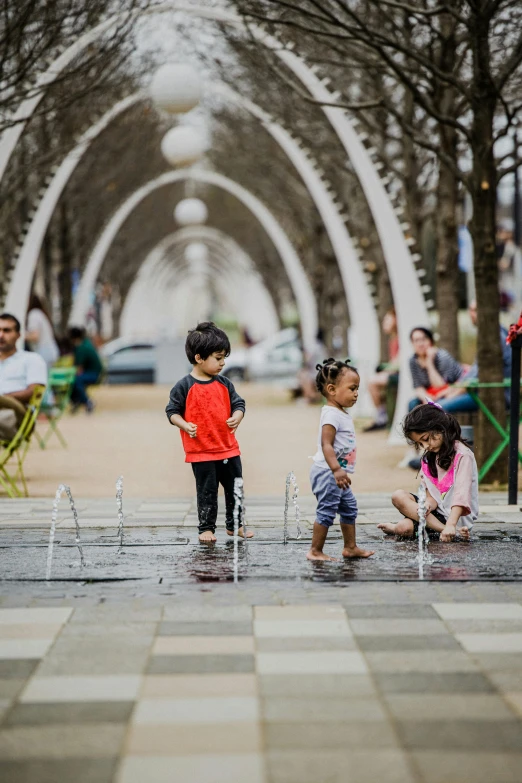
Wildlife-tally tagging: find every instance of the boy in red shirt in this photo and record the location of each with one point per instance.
(208, 410)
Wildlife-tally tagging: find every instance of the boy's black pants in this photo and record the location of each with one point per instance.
(209, 475)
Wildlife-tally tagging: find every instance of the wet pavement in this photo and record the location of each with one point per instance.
(160, 545)
(150, 664)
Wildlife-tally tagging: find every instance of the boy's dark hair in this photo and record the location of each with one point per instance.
(206, 339)
(76, 333)
(431, 418)
(426, 332)
(329, 372)
(9, 317)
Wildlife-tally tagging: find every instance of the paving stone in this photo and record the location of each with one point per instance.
(194, 738)
(390, 611)
(196, 710)
(395, 643)
(507, 680)
(9, 689)
(436, 661)
(491, 643)
(17, 668)
(444, 735)
(331, 709)
(337, 662)
(290, 627)
(288, 643)
(205, 629)
(123, 629)
(24, 648)
(484, 626)
(47, 616)
(74, 712)
(448, 706)
(472, 767)
(340, 735)
(79, 770)
(302, 613)
(479, 611)
(181, 664)
(61, 741)
(338, 766)
(184, 686)
(331, 685)
(82, 688)
(207, 614)
(211, 768)
(203, 645)
(108, 614)
(495, 662)
(97, 655)
(398, 627)
(29, 631)
(429, 682)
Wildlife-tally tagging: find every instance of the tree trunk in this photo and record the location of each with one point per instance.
(483, 226)
(447, 271)
(447, 251)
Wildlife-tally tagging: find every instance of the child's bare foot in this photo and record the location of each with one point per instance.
(240, 532)
(207, 537)
(315, 555)
(356, 552)
(388, 528)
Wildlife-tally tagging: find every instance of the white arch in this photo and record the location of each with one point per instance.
(22, 280)
(407, 294)
(365, 327)
(364, 346)
(239, 283)
(298, 280)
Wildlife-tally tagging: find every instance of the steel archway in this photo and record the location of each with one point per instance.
(407, 294)
(298, 280)
(252, 301)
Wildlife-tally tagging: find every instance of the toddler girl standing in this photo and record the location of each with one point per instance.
(335, 459)
(449, 471)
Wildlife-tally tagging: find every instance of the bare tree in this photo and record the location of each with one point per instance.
(462, 64)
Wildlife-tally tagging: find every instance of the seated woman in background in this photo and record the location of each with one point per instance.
(432, 369)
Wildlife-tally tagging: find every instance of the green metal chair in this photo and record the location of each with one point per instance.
(18, 446)
(59, 385)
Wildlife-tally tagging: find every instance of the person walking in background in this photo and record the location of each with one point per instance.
(379, 382)
(88, 368)
(40, 333)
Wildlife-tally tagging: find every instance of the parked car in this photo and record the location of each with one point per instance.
(129, 360)
(277, 358)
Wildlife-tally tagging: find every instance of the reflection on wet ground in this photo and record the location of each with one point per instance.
(173, 555)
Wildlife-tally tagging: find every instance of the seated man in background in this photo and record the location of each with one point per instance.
(455, 400)
(88, 368)
(20, 373)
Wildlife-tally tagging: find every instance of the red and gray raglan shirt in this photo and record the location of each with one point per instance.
(208, 404)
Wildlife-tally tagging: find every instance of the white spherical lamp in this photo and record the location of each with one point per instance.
(196, 253)
(176, 88)
(191, 212)
(183, 145)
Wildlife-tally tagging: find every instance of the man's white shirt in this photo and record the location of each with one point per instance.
(21, 370)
